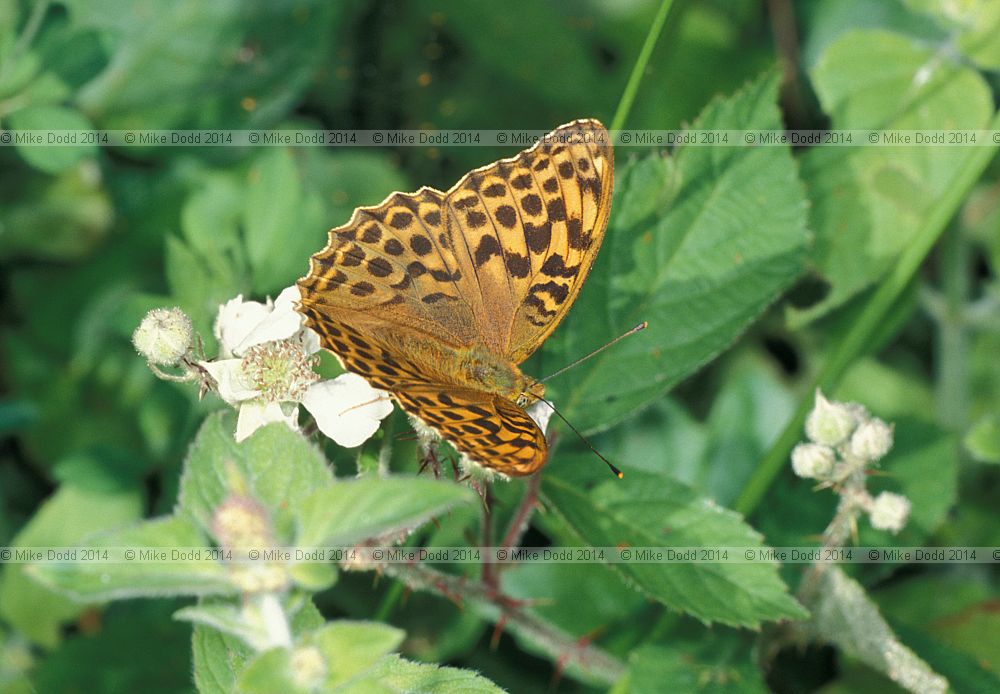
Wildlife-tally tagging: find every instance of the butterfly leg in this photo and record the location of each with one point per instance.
(430, 459)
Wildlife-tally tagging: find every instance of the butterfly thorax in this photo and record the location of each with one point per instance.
(481, 368)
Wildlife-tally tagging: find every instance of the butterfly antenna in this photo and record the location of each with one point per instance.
(633, 331)
(616, 471)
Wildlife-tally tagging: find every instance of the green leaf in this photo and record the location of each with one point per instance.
(160, 569)
(219, 658)
(955, 610)
(351, 511)
(276, 466)
(350, 648)
(393, 674)
(715, 457)
(552, 589)
(64, 520)
(187, 64)
(869, 202)
(715, 664)
(17, 75)
(136, 649)
(62, 218)
(972, 25)
(982, 441)
(271, 671)
(226, 618)
(645, 510)
(59, 151)
(698, 247)
(271, 217)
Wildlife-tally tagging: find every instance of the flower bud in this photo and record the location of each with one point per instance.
(829, 423)
(308, 667)
(889, 512)
(813, 461)
(164, 336)
(871, 440)
(240, 522)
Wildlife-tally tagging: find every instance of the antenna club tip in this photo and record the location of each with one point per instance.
(620, 475)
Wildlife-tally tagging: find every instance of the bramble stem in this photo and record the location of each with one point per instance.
(561, 647)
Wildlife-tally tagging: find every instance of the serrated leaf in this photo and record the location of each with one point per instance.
(645, 510)
(868, 202)
(278, 467)
(148, 576)
(350, 648)
(356, 510)
(698, 248)
(393, 674)
(62, 521)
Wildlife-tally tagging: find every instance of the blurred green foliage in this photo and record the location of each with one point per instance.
(751, 265)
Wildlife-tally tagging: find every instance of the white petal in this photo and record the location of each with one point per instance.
(256, 413)
(235, 320)
(347, 409)
(309, 341)
(541, 413)
(228, 374)
(287, 299)
(280, 324)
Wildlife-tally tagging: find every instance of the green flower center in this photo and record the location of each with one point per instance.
(280, 370)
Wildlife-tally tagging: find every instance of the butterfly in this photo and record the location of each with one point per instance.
(437, 297)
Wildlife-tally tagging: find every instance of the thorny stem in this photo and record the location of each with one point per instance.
(559, 645)
(853, 494)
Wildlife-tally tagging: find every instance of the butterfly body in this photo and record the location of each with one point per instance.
(437, 297)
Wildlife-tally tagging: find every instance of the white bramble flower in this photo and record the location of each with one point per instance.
(830, 423)
(871, 440)
(889, 512)
(813, 460)
(164, 336)
(266, 372)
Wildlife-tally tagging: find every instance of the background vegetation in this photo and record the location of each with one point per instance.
(763, 272)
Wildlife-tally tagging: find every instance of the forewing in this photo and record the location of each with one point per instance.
(494, 262)
(532, 227)
(390, 266)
